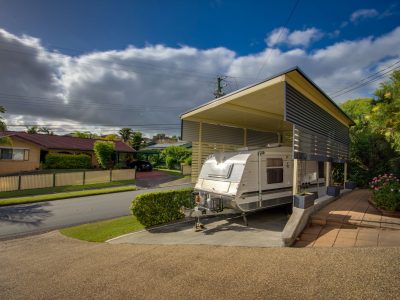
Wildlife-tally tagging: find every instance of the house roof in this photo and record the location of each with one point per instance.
(57, 142)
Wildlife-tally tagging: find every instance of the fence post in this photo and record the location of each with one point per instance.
(19, 182)
(54, 179)
(84, 177)
(110, 175)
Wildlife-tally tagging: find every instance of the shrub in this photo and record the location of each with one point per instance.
(161, 207)
(67, 161)
(386, 191)
(174, 155)
(104, 152)
(188, 161)
(170, 162)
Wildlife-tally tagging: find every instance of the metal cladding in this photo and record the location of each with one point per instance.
(316, 134)
(258, 138)
(226, 135)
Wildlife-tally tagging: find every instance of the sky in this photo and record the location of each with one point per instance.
(102, 65)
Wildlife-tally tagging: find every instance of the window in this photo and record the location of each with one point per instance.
(6, 153)
(220, 171)
(274, 170)
(14, 154)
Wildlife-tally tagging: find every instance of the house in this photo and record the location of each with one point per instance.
(28, 151)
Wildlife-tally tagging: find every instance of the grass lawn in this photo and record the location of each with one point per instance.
(67, 188)
(176, 173)
(103, 230)
(64, 195)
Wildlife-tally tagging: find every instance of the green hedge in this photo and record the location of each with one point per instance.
(161, 207)
(67, 161)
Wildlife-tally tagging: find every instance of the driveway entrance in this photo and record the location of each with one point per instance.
(264, 230)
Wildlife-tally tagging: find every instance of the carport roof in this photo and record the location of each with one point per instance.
(264, 102)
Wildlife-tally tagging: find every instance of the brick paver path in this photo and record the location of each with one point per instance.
(351, 221)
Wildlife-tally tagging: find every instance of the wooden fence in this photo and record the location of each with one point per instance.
(25, 182)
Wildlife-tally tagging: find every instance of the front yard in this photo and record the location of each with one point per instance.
(63, 192)
(103, 230)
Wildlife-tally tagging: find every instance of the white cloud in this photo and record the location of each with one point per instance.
(303, 38)
(154, 84)
(363, 14)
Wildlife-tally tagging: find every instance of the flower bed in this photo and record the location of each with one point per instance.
(386, 190)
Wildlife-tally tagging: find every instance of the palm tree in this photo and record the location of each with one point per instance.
(45, 130)
(126, 134)
(32, 130)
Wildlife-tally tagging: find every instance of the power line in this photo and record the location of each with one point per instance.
(279, 36)
(376, 78)
(362, 80)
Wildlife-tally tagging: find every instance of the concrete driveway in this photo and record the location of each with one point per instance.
(264, 230)
(153, 179)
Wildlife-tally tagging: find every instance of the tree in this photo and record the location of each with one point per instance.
(45, 130)
(111, 137)
(174, 155)
(3, 126)
(126, 134)
(136, 140)
(84, 134)
(385, 118)
(104, 152)
(32, 130)
(4, 140)
(375, 139)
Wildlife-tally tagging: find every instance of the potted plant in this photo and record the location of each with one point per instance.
(333, 190)
(304, 200)
(350, 185)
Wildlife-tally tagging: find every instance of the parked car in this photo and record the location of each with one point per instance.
(141, 165)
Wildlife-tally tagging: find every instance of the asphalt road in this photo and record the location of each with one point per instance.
(27, 219)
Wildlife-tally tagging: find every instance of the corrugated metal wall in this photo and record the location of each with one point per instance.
(260, 138)
(226, 135)
(317, 134)
(222, 134)
(220, 138)
(190, 131)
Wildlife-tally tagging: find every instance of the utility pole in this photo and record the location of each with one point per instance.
(218, 89)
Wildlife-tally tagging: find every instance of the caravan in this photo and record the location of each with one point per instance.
(250, 180)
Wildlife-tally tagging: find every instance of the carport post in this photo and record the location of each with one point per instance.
(200, 146)
(345, 172)
(295, 176)
(327, 173)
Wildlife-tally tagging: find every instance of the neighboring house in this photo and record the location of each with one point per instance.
(162, 138)
(28, 151)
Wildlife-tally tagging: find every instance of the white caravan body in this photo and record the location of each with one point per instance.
(250, 180)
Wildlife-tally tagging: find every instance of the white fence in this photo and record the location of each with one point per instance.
(25, 182)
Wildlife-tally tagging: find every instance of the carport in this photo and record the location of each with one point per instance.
(288, 108)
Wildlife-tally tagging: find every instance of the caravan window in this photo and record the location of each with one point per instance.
(220, 171)
(274, 170)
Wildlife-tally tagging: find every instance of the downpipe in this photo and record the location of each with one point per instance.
(259, 154)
